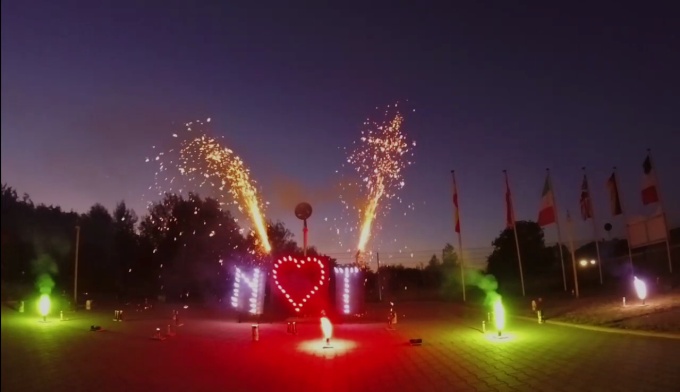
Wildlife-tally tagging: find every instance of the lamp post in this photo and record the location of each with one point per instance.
(303, 211)
(75, 274)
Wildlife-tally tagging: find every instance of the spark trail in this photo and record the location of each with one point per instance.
(379, 158)
(204, 161)
(222, 168)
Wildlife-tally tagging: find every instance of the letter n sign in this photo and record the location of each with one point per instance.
(248, 294)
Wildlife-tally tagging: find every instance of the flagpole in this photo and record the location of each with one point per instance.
(595, 231)
(625, 222)
(663, 210)
(514, 229)
(559, 232)
(456, 221)
(573, 254)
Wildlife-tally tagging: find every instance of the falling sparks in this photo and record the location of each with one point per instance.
(222, 168)
(379, 158)
(198, 161)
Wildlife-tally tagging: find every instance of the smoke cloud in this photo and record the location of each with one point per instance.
(44, 267)
(487, 283)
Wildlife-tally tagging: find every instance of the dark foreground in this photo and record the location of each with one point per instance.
(211, 353)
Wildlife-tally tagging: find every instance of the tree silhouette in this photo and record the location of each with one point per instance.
(125, 247)
(536, 258)
(96, 267)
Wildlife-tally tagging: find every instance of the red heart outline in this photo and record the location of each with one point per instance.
(290, 259)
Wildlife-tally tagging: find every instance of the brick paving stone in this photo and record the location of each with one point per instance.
(214, 354)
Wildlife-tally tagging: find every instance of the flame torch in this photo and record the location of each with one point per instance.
(640, 288)
(44, 305)
(327, 329)
(499, 316)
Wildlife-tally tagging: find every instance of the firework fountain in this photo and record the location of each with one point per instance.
(379, 158)
(205, 161)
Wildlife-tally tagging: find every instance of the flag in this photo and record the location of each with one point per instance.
(614, 195)
(546, 214)
(509, 213)
(455, 205)
(650, 193)
(586, 204)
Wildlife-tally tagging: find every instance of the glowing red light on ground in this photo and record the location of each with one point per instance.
(298, 303)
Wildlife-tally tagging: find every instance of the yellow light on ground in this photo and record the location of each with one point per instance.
(583, 263)
(640, 288)
(44, 305)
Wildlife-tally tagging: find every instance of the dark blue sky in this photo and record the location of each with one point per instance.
(89, 87)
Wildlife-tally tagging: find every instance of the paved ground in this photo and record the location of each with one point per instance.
(210, 353)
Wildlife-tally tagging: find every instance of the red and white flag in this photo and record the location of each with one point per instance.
(650, 192)
(586, 204)
(509, 211)
(455, 206)
(546, 214)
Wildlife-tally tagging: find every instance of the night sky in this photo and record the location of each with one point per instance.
(89, 86)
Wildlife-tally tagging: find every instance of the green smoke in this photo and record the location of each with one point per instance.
(487, 283)
(44, 268)
(45, 284)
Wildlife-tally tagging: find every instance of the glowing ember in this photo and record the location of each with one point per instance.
(326, 328)
(227, 171)
(44, 305)
(640, 288)
(379, 160)
(499, 314)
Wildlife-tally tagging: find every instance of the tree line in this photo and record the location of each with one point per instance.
(186, 246)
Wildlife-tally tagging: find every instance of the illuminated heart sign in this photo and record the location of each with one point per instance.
(299, 280)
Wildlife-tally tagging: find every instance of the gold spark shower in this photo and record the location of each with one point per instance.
(204, 162)
(227, 171)
(379, 159)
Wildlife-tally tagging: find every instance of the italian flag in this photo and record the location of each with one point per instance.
(546, 214)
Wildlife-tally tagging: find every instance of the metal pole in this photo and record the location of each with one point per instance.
(460, 240)
(377, 256)
(573, 255)
(304, 235)
(514, 229)
(75, 273)
(559, 232)
(663, 212)
(625, 222)
(595, 231)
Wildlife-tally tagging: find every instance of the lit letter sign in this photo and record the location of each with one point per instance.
(349, 290)
(253, 303)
